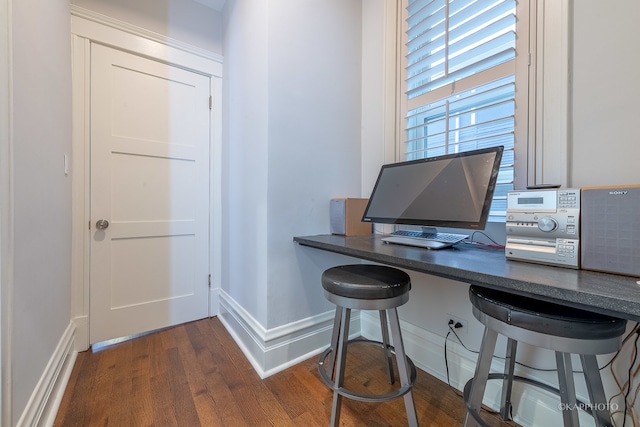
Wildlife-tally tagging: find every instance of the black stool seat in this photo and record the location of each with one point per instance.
(366, 281)
(545, 317)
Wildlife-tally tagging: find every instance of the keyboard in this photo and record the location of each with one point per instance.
(424, 240)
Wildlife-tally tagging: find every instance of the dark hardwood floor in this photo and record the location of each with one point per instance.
(196, 375)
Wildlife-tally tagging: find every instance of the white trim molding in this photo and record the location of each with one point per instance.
(80, 237)
(273, 350)
(44, 402)
(215, 198)
(88, 16)
(120, 35)
(552, 67)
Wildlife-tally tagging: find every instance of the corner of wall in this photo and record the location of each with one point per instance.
(271, 351)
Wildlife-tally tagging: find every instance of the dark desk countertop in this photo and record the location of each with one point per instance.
(605, 293)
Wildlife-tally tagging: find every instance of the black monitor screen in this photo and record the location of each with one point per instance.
(453, 190)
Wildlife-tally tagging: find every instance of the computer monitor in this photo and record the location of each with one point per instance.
(453, 190)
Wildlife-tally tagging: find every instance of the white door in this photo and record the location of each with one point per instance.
(150, 182)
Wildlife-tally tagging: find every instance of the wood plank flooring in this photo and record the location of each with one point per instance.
(196, 375)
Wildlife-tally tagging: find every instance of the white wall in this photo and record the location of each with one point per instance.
(314, 50)
(606, 93)
(185, 20)
(291, 142)
(41, 110)
(6, 217)
(245, 156)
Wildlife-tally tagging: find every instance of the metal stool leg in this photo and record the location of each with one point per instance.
(385, 341)
(567, 389)
(403, 369)
(592, 377)
(507, 383)
(479, 381)
(341, 356)
(337, 323)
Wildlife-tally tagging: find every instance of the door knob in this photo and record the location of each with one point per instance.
(101, 224)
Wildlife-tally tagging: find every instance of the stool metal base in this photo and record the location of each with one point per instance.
(339, 344)
(326, 376)
(474, 389)
(475, 414)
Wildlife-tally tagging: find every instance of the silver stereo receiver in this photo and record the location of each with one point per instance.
(543, 226)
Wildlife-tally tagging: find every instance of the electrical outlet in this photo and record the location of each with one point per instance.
(455, 320)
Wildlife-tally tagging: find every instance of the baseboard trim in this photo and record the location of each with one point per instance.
(81, 334)
(272, 350)
(214, 302)
(43, 404)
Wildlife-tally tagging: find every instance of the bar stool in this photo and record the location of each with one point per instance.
(562, 329)
(367, 287)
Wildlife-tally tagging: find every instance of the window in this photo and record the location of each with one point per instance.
(460, 82)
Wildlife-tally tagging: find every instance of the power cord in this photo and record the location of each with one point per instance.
(446, 359)
(492, 245)
(628, 406)
(626, 395)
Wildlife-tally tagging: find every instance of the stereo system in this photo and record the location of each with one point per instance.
(543, 226)
(593, 228)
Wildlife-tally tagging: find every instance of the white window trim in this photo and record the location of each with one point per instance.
(548, 94)
(551, 68)
(379, 89)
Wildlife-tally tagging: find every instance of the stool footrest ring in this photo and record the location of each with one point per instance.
(363, 397)
(498, 376)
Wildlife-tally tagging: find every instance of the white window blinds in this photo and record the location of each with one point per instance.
(460, 81)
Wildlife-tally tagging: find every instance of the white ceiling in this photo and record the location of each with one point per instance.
(213, 4)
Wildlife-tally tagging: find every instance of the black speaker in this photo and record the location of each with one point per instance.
(610, 224)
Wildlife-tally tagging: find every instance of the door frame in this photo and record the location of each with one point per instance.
(88, 27)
